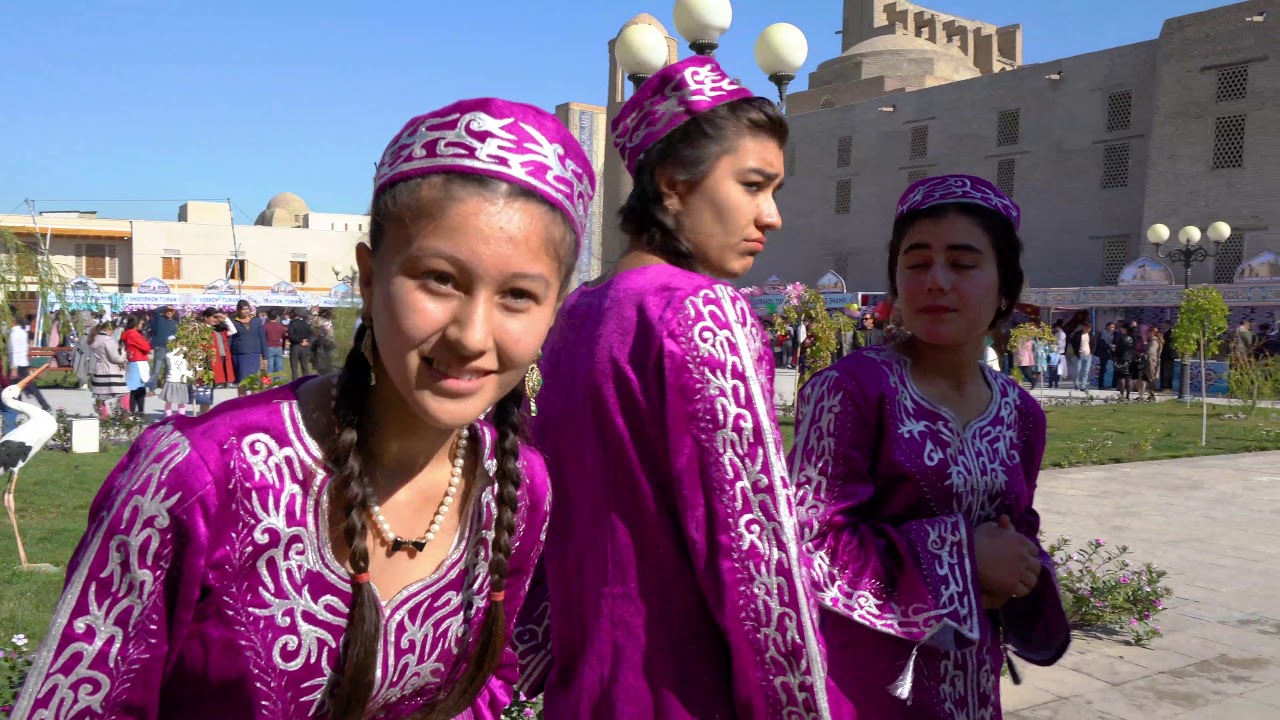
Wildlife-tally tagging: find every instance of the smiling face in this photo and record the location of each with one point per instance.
(724, 217)
(460, 301)
(948, 282)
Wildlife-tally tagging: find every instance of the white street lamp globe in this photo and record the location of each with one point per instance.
(1219, 232)
(704, 20)
(1158, 234)
(781, 48)
(1189, 235)
(641, 49)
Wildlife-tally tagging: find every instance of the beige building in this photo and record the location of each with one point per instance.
(288, 244)
(1183, 129)
(587, 123)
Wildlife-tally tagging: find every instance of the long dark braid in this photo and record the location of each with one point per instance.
(487, 648)
(349, 694)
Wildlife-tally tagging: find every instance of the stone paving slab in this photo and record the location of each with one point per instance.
(1214, 524)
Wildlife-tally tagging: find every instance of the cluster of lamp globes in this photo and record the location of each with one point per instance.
(1158, 234)
(641, 50)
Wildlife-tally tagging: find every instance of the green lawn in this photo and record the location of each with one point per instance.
(1105, 434)
(55, 491)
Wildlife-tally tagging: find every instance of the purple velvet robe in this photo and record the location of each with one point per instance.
(205, 587)
(890, 490)
(675, 577)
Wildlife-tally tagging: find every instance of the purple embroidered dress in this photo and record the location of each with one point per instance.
(890, 490)
(676, 582)
(204, 586)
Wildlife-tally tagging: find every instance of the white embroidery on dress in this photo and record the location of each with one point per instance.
(733, 403)
(119, 597)
(976, 458)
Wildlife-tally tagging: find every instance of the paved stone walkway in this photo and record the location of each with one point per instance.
(1214, 524)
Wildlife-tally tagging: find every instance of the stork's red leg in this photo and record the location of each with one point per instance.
(10, 496)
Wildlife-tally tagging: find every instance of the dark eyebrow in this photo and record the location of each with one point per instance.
(954, 247)
(768, 176)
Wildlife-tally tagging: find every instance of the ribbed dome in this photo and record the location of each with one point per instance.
(900, 42)
(647, 19)
(288, 201)
(283, 210)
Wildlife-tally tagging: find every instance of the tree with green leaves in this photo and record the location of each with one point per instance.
(26, 272)
(823, 328)
(1202, 321)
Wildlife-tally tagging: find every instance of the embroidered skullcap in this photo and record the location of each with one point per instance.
(505, 140)
(666, 100)
(958, 189)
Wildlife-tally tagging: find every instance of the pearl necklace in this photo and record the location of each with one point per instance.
(419, 543)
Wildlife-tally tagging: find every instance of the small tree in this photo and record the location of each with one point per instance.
(823, 328)
(1032, 330)
(1202, 319)
(24, 268)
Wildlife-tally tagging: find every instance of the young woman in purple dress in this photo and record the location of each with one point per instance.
(916, 467)
(354, 545)
(676, 583)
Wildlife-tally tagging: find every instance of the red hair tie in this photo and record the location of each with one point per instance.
(360, 579)
(498, 596)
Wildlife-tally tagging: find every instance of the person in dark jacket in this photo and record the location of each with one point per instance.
(1124, 357)
(164, 325)
(1166, 357)
(300, 345)
(1105, 353)
(249, 344)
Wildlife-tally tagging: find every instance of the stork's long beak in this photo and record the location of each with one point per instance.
(26, 380)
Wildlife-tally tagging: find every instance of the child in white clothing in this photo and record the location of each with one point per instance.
(176, 388)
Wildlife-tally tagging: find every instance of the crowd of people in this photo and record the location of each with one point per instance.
(125, 359)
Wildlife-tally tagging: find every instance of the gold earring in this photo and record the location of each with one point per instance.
(366, 347)
(532, 385)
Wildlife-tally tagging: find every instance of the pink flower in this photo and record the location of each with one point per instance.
(1124, 580)
(528, 712)
(1158, 603)
(1099, 542)
(1158, 628)
(1088, 593)
(1133, 621)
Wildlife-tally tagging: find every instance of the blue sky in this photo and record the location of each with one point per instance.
(144, 100)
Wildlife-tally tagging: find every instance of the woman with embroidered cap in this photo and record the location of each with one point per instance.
(675, 582)
(354, 545)
(916, 467)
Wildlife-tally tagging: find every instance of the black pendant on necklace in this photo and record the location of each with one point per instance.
(401, 544)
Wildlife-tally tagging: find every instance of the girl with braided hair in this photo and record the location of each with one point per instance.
(353, 545)
(674, 581)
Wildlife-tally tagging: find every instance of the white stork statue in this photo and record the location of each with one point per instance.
(18, 447)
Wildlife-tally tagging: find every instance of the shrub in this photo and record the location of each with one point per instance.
(15, 663)
(1102, 588)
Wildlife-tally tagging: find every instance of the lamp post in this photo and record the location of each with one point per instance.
(1191, 253)
(780, 50)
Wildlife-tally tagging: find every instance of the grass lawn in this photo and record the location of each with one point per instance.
(1106, 434)
(55, 491)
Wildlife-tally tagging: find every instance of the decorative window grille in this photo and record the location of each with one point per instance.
(1115, 165)
(791, 159)
(1008, 127)
(915, 175)
(1114, 254)
(1233, 83)
(844, 196)
(1230, 255)
(1119, 110)
(1005, 171)
(844, 152)
(840, 264)
(919, 142)
(827, 103)
(1228, 142)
